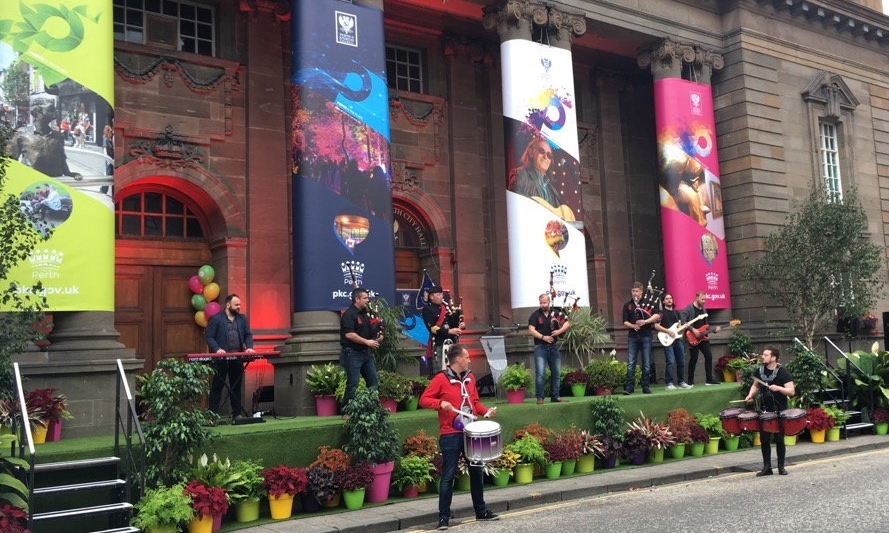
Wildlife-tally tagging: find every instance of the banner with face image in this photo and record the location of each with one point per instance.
(695, 257)
(58, 58)
(342, 189)
(547, 248)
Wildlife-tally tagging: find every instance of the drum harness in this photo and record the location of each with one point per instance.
(465, 405)
(768, 378)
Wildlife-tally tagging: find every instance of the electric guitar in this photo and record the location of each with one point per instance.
(667, 339)
(694, 341)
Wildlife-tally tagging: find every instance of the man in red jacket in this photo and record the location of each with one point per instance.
(450, 392)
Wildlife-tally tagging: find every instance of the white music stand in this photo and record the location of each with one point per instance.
(495, 351)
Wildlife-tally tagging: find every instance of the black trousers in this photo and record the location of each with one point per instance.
(765, 446)
(234, 371)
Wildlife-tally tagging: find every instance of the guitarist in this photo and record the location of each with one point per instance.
(691, 311)
(674, 353)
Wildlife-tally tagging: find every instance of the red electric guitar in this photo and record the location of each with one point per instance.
(694, 341)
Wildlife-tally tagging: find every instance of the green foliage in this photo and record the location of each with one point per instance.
(18, 237)
(175, 424)
(711, 424)
(516, 377)
(163, 506)
(839, 416)
(608, 417)
(529, 449)
(821, 260)
(874, 384)
(740, 344)
(240, 479)
(587, 333)
(604, 372)
(807, 372)
(394, 386)
(370, 436)
(412, 470)
(12, 490)
(325, 379)
(390, 351)
(15, 85)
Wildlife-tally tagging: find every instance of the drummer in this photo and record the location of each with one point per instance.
(776, 388)
(452, 391)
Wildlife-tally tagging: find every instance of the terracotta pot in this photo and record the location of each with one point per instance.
(604, 391)
(410, 491)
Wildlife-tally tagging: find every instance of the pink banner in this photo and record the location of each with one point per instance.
(695, 256)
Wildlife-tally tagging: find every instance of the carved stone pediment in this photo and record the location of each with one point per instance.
(831, 91)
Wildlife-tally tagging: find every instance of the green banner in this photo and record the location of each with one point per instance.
(63, 51)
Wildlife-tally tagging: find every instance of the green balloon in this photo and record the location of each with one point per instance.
(198, 302)
(206, 274)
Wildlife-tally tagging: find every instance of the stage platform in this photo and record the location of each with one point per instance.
(295, 440)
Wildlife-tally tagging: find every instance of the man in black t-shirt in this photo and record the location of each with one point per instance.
(773, 398)
(699, 332)
(356, 336)
(674, 354)
(545, 326)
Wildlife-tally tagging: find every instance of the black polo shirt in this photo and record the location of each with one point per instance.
(355, 321)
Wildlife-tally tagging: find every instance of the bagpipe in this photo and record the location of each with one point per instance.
(558, 315)
(373, 308)
(650, 302)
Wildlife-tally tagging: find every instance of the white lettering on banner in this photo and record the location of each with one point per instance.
(72, 290)
(348, 294)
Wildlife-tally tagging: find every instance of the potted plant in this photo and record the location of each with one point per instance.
(699, 440)
(323, 382)
(418, 385)
(635, 446)
(591, 447)
(604, 375)
(244, 489)
(573, 439)
(504, 466)
(163, 510)
(735, 367)
(556, 453)
(354, 481)
(713, 426)
(721, 364)
(608, 420)
(322, 489)
(371, 438)
(207, 503)
(410, 472)
(587, 333)
(15, 520)
(393, 388)
(740, 344)
(818, 422)
(420, 444)
(680, 422)
(577, 380)
(659, 435)
(540, 432)
(839, 420)
(880, 418)
(282, 483)
(49, 407)
(531, 453)
(516, 379)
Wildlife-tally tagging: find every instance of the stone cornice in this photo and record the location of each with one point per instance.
(668, 51)
(279, 8)
(844, 18)
(514, 12)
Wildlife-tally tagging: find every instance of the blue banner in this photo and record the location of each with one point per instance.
(342, 190)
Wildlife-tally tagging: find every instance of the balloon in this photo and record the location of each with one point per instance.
(200, 318)
(194, 283)
(205, 274)
(211, 291)
(198, 302)
(211, 309)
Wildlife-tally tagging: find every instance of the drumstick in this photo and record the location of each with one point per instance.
(737, 401)
(463, 413)
(761, 382)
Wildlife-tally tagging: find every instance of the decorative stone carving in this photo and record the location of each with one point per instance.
(832, 92)
(167, 150)
(420, 114)
(516, 14)
(667, 57)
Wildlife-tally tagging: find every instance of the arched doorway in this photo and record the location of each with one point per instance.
(161, 241)
(413, 241)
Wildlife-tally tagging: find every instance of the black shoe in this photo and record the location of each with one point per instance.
(764, 472)
(443, 523)
(646, 391)
(781, 471)
(487, 515)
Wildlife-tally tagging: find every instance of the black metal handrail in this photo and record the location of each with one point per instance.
(127, 426)
(827, 368)
(850, 364)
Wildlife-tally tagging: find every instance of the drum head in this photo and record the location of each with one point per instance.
(793, 413)
(731, 412)
(483, 427)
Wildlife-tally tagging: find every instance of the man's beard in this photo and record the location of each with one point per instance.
(234, 311)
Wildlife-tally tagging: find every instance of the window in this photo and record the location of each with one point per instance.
(154, 215)
(183, 26)
(404, 68)
(830, 162)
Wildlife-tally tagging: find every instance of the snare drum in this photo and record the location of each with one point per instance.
(749, 420)
(482, 441)
(729, 419)
(768, 422)
(794, 421)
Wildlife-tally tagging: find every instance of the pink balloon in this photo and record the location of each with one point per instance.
(211, 309)
(194, 283)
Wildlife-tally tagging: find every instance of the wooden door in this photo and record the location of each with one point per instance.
(153, 311)
(407, 269)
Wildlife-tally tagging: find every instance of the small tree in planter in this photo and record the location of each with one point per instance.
(516, 379)
(370, 438)
(163, 507)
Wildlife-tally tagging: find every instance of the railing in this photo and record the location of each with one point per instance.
(827, 368)
(133, 460)
(24, 431)
(850, 364)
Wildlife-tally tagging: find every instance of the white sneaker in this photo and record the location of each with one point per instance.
(684, 385)
(671, 387)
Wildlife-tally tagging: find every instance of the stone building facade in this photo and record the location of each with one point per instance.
(202, 134)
